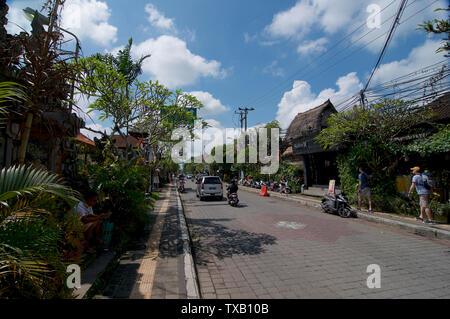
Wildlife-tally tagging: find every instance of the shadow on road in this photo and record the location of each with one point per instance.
(210, 238)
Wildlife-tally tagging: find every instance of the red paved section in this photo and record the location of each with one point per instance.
(284, 227)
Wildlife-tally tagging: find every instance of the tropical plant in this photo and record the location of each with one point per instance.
(10, 92)
(38, 62)
(30, 262)
(439, 27)
(122, 191)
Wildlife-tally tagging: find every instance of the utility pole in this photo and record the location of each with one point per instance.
(245, 111)
(241, 118)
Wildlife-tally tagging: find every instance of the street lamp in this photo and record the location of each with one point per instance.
(31, 14)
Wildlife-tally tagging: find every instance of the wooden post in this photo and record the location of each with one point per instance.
(25, 137)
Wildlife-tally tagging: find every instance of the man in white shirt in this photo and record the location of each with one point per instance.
(418, 182)
(92, 223)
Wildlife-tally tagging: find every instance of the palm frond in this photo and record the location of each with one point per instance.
(11, 92)
(18, 182)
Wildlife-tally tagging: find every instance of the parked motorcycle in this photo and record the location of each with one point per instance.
(274, 187)
(337, 204)
(285, 189)
(233, 199)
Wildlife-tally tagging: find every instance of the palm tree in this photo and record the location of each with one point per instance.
(10, 92)
(125, 64)
(29, 257)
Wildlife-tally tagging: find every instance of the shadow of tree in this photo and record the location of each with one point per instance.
(170, 244)
(210, 238)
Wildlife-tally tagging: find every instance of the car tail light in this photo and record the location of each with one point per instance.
(203, 185)
(221, 186)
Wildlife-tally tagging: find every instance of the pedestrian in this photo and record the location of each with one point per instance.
(156, 179)
(92, 223)
(364, 189)
(420, 183)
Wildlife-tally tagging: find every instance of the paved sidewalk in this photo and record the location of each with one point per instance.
(155, 267)
(441, 231)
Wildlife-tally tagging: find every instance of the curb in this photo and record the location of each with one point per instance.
(415, 229)
(190, 273)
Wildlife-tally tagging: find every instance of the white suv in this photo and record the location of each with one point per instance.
(210, 186)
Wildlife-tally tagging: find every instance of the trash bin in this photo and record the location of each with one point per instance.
(107, 230)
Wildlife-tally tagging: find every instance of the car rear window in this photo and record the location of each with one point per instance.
(212, 180)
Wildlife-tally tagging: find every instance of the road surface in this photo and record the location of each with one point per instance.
(271, 248)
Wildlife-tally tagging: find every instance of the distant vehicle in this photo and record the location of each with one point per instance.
(181, 186)
(200, 177)
(210, 186)
(233, 200)
(189, 176)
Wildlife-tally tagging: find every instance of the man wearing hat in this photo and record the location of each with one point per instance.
(424, 194)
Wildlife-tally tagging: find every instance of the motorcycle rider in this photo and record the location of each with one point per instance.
(232, 188)
(181, 182)
(283, 183)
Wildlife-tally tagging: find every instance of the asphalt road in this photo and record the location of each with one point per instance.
(270, 248)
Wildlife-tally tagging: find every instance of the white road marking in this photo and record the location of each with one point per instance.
(291, 225)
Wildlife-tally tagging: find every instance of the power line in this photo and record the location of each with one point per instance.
(436, 67)
(386, 44)
(329, 51)
(272, 91)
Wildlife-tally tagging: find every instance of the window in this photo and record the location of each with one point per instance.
(212, 180)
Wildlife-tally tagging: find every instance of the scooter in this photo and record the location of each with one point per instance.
(274, 187)
(337, 204)
(181, 186)
(285, 189)
(233, 199)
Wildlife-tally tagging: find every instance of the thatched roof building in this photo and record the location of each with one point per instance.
(308, 125)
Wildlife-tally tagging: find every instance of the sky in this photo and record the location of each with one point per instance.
(279, 57)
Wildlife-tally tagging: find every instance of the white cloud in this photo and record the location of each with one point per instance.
(88, 19)
(274, 69)
(344, 16)
(212, 106)
(173, 64)
(418, 58)
(310, 47)
(295, 21)
(301, 98)
(96, 127)
(157, 19)
(16, 19)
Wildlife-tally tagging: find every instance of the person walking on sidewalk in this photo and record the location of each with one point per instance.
(364, 189)
(423, 190)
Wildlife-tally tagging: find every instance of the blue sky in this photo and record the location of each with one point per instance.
(254, 53)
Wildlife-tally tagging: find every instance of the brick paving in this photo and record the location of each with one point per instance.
(153, 268)
(270, 248)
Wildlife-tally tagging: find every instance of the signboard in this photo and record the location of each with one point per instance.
(332, 186)
(173, 118)
(141, 145)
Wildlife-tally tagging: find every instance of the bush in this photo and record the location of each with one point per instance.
(122, 191)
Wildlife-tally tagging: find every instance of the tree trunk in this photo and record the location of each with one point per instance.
(25, 137)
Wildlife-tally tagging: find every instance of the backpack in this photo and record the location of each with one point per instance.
(425, 183)
(369, 181)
